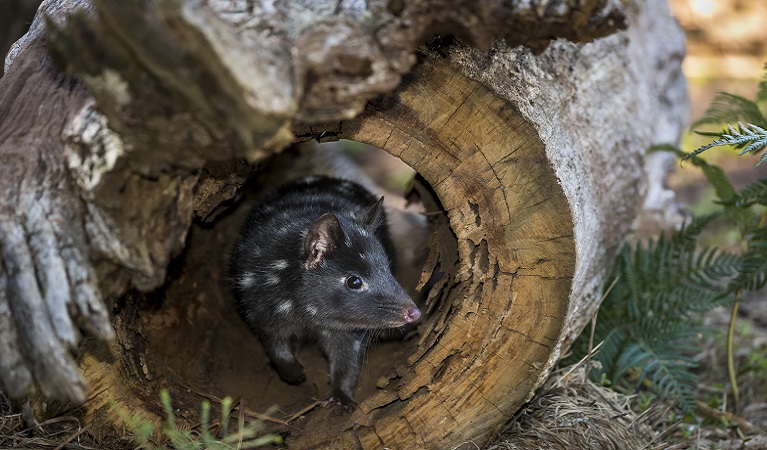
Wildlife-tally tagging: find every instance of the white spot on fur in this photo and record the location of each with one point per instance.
(312, 310)
(283, 353)
(285, 307)
(272, 280)
(247, 280)
(280, 264)
(310, 179)
(357, 345)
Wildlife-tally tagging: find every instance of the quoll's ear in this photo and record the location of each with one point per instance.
(375, 215)
(322, 238)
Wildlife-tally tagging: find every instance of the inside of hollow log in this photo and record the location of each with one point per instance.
(188, 338)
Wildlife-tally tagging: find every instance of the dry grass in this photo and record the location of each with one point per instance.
(572, 413)
(60, 433)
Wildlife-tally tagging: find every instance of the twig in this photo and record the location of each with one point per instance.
(592, 350)
(731, 351)
(71, 438)
(247, 411)
(240, 424)
(581, 362)
(712, 413)
(304, 411)
(731, 336)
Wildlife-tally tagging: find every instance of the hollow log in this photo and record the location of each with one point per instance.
(124, 126)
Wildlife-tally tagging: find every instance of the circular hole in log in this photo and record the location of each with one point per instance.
(497, 322)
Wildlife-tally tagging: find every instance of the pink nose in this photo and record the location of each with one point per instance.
(412, 315)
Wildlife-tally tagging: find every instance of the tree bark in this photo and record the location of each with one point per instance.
(535, 162)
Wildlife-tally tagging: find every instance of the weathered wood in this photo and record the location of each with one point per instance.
(512, 144)
(50, 291)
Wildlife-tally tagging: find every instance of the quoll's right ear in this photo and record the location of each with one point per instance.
(322, 238)
(375, 216)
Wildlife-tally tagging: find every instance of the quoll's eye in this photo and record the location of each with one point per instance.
(354, 282)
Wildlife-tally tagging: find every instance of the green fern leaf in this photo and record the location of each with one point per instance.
(751, 138)
(714, 174)
(753, 268)
(651, 313)
(754, 193)
(761, 160)
(686, 238)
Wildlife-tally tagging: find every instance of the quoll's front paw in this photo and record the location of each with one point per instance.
(341, 403)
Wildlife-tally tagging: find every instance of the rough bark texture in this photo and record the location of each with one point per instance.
(535, 159)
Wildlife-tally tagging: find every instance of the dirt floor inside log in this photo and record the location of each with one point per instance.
(196, 339)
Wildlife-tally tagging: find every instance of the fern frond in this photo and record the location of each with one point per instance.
(753, 268)
(612, 346)
(673, 379)
(725, 191)
(728, 107)
(762, 160)
(665, 368)
(650, 316)
(686, 237)
(751, 138)
(632, 356)
(714, 174)
(754, 193)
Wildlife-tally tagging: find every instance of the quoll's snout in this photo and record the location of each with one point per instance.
(412, 315)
